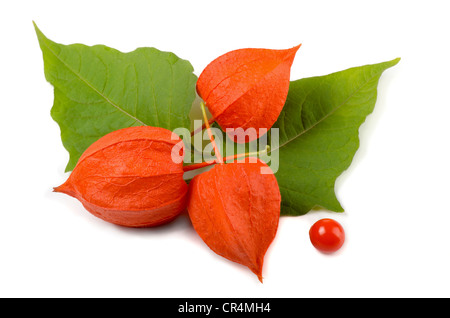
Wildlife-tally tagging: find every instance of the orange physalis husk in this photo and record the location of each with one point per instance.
(247, 88)
(235, 209)
(128, 177)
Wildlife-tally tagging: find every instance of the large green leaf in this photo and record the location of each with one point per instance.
(98, 89)
(318, 130)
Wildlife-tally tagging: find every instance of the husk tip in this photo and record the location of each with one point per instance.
(260, 278)
(258, 272)
(58, 189)
(63, 188)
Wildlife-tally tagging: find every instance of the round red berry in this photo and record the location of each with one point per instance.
(327, 235)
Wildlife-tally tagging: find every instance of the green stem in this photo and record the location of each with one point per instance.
(211, 137)
(200, 165)
(196, 131)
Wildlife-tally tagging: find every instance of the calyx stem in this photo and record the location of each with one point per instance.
(211, 137)
(196, 131)
(216, 149)
(226, 159)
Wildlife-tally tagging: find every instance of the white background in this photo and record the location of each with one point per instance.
(395, 194)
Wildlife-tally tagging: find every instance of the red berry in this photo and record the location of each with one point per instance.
(327, 235)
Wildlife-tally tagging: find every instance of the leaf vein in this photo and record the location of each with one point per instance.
(329, 114)
(91, 86)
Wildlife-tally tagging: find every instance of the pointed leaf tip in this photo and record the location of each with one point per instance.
(321, 120)
(36, 28)
(102, 88)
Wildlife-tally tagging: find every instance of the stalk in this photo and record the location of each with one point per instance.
(211, 137)
(200, 165)
(196, 131)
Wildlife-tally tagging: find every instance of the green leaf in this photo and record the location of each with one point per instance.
(98, 89)
(318, 130)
